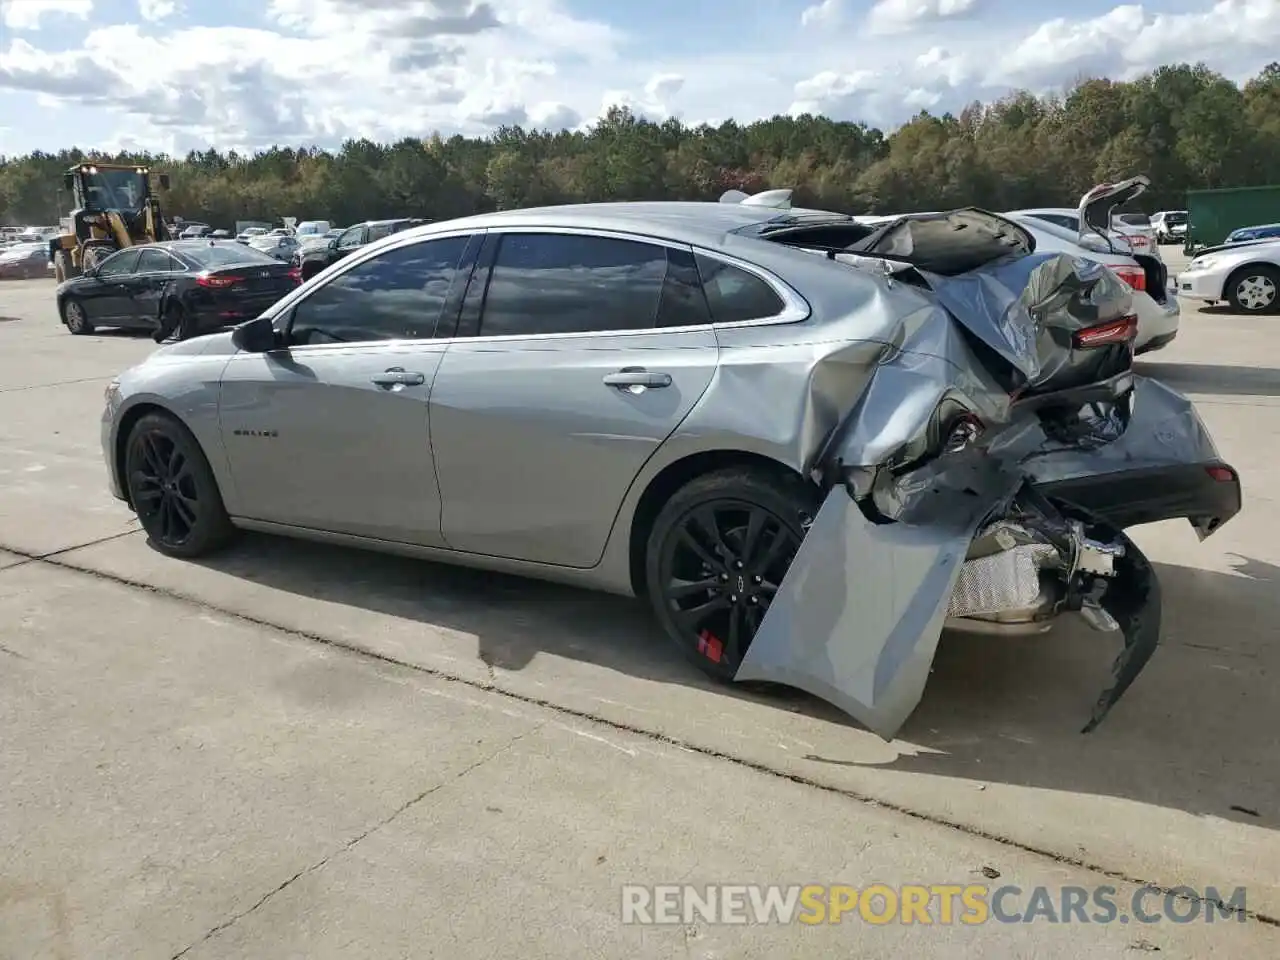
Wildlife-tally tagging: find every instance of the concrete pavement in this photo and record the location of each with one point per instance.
(1177, 787)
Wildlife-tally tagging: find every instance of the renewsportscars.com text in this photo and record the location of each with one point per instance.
(943, 904)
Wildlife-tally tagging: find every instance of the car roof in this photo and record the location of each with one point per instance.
(693, 222)
(1258, 226)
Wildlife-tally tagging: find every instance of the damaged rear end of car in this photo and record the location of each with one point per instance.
(983, 479)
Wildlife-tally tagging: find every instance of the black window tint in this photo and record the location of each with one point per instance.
(154, 261)
(396, 295)
(563, 283)
(734, 294)
(683, 303)
(118, 263)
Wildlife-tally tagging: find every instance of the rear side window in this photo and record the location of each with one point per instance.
(736, 295)
(155, 261)
(566, 283)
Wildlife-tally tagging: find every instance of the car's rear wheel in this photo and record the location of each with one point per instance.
(76, 320)
(716, 555)
(1255, 289)
(173, 490)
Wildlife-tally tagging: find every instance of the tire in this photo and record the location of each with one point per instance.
(75, 319)
(172, 489)
(175, 320)
(1254, 289)
(732, 591)
(63, 268)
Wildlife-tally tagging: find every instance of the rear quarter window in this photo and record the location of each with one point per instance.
(735, 295)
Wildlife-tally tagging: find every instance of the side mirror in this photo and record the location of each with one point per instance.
(68, 181)
(256, 336)
(164, 181)
(333, 244)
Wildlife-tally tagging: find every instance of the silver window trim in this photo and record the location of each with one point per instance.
(795, 308)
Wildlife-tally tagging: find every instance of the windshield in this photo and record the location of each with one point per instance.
(114, 189)
(218, 255)
(1179, 217)
(1135, 219)
(311, 228)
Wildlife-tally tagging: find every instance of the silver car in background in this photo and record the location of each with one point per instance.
(807, 442)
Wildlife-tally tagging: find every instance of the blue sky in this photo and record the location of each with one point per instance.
(248, 73)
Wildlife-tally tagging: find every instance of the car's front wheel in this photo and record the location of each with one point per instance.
(716, 556)
(75, 318)
(173, 489)
(1255, 289)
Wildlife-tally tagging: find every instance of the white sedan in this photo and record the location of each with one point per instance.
(1246, 275)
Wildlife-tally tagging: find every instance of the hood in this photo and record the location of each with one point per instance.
(1096, 206)
(211, 344)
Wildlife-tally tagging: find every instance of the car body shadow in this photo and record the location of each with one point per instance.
(1196, 731)
(513, 619)
(1213, 378)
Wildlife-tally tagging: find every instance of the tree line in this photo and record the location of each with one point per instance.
(1184, 126)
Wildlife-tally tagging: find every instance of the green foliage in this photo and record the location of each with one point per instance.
(1184, 126)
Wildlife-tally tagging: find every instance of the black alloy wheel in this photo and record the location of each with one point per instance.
(173, 490)
(717, 561)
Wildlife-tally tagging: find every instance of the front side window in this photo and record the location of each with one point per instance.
(396, 295)
(567, 283)
(118, 263)
(351, 239)
(736, 295)
(380, 230)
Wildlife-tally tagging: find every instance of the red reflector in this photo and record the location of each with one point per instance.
(1221, 474)
(217, 282)
(295, 274)
(1105, 334)
(1135, 277)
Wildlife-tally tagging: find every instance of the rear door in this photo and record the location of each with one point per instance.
(571, 366)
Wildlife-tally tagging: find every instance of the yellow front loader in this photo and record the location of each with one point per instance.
(113, 208)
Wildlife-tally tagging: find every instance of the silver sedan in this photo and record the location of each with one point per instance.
(808, 443)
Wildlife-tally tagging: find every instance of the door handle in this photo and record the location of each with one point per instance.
(399, 376)
(637, 377)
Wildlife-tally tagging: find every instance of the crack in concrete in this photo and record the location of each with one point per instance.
(30, 558)
(56, 383)
(1176, 891)
(354, 841)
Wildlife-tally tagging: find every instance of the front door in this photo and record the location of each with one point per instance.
(331, 432)
(541, 422)
(108, 299)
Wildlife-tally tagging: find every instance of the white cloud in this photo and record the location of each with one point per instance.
(897, 16)
(823, 14)
(157, 10)
(28, 14)
(319, 71)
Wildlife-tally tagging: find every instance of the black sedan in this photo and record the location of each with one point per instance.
(188, 286)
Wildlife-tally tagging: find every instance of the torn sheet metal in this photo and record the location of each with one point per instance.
(858, 616)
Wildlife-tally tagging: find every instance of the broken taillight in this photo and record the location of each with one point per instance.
(1123, 330)
(1221, 474)
(1135, 277)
